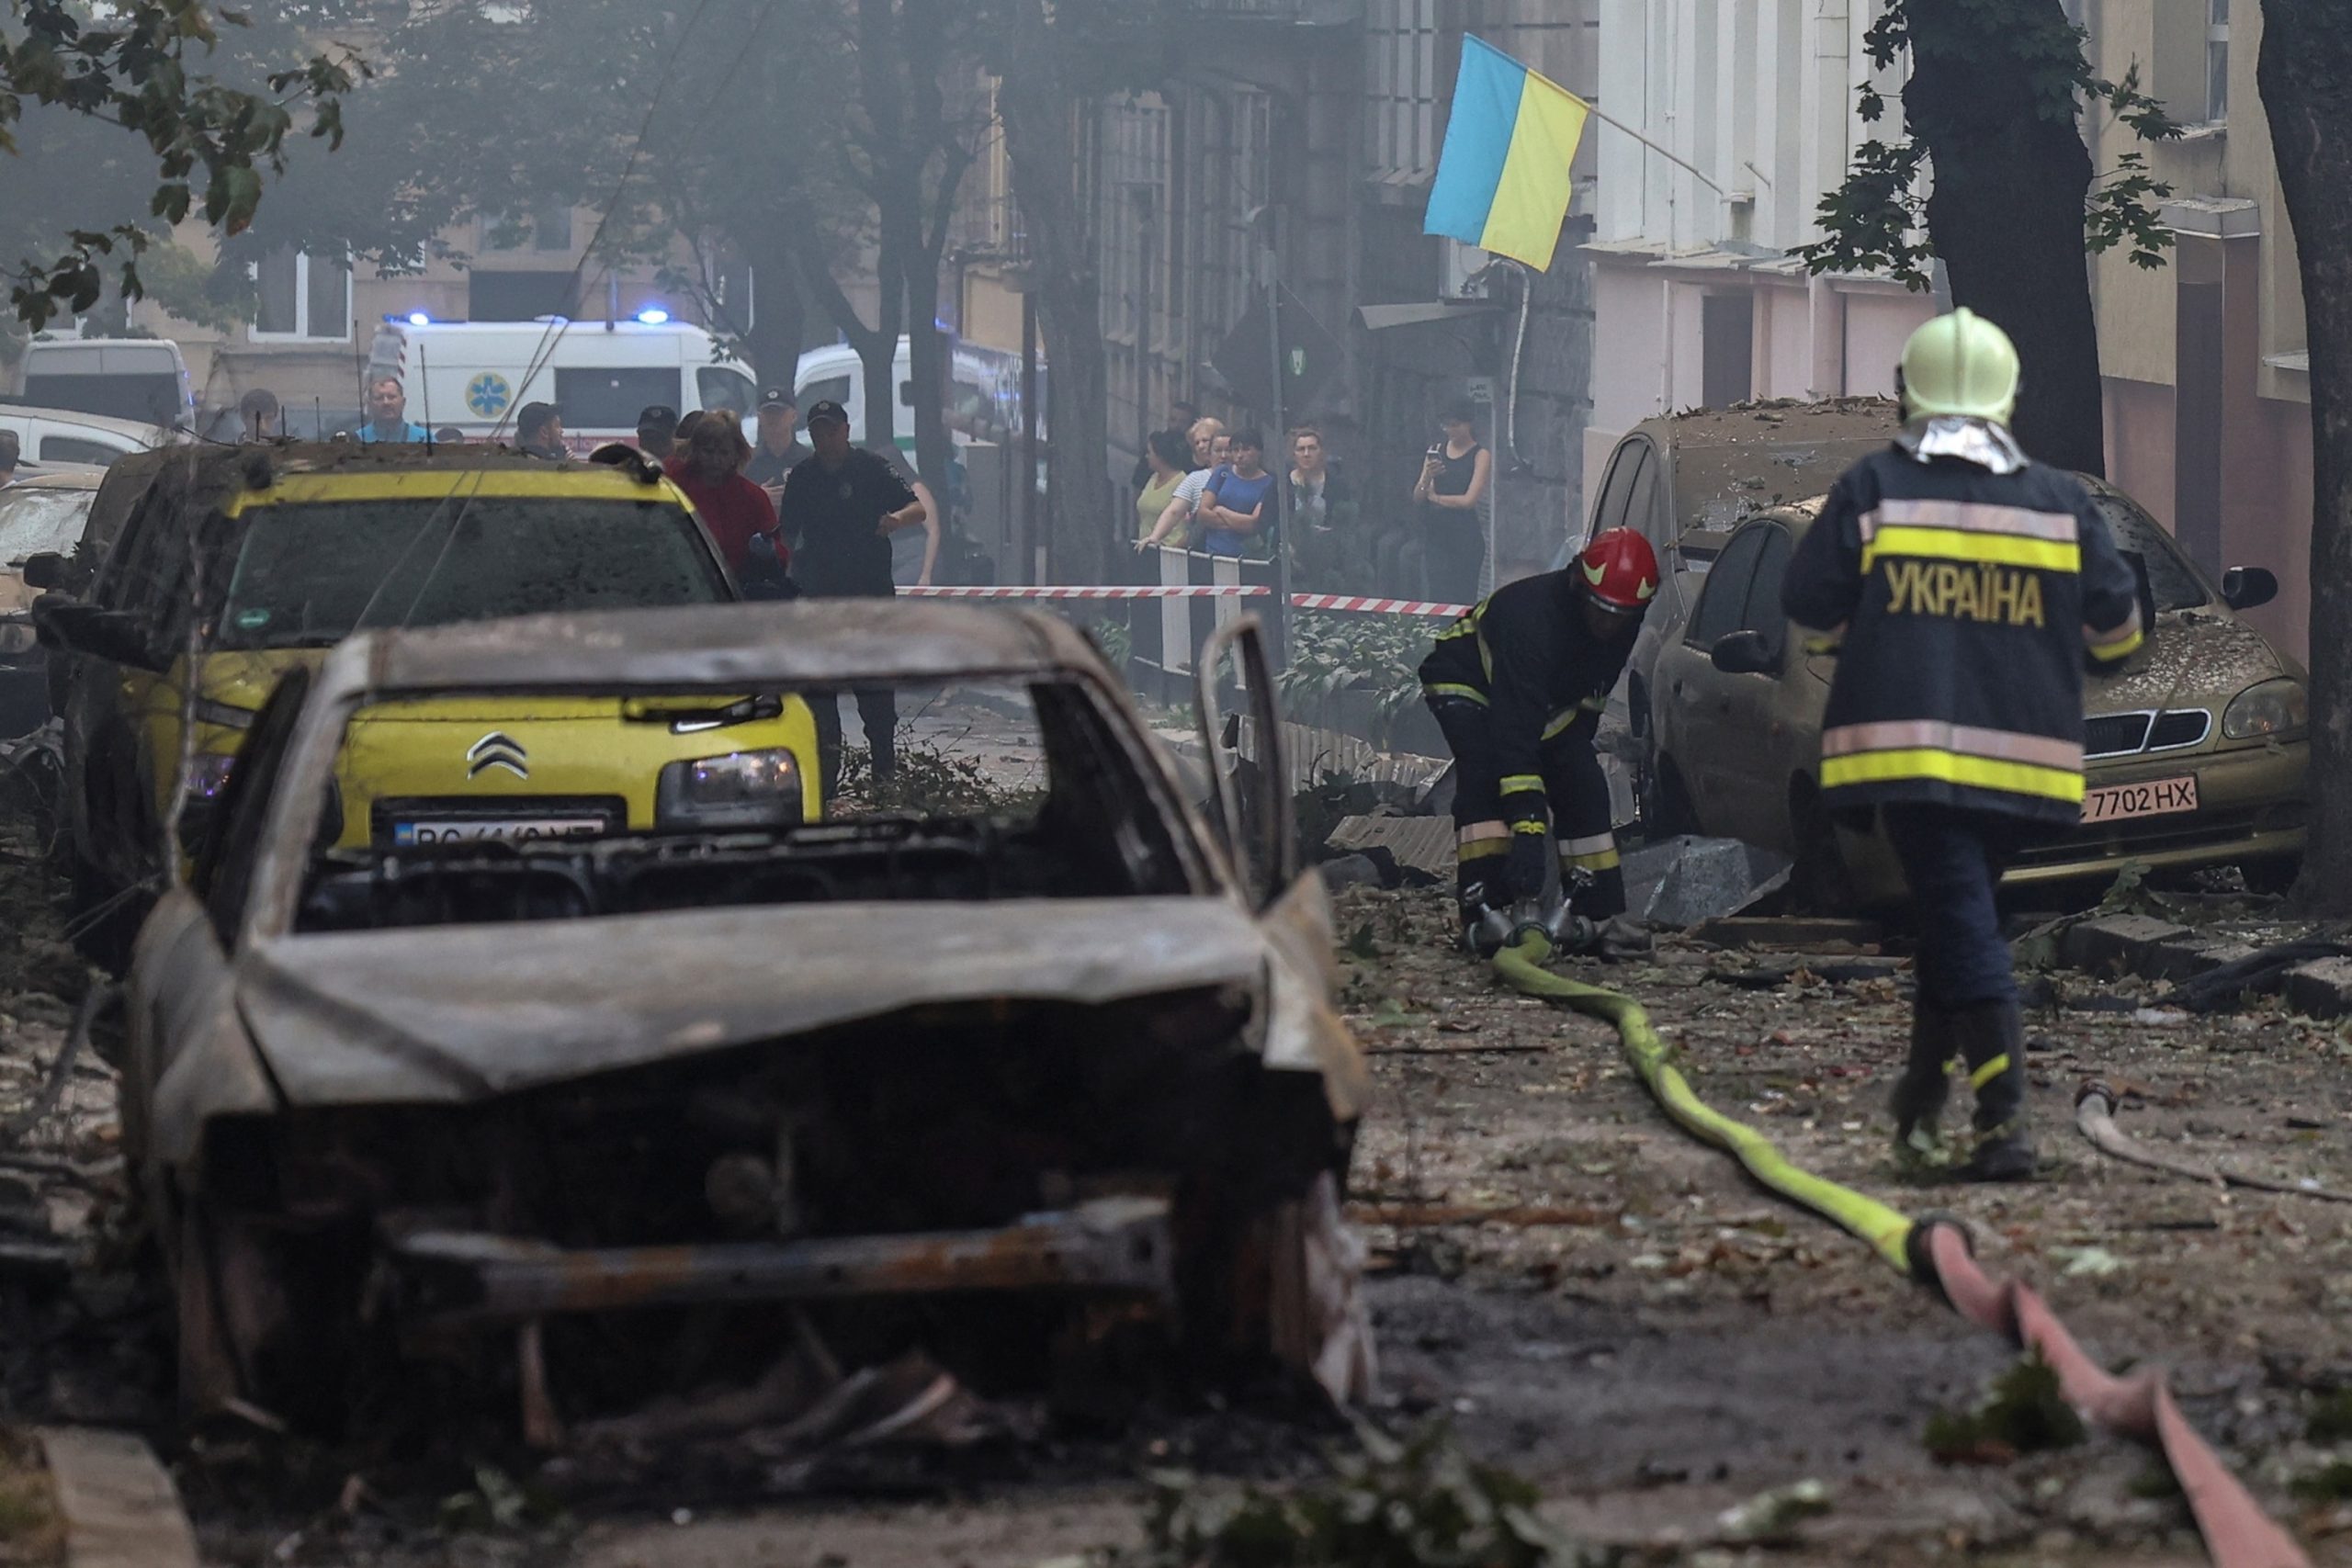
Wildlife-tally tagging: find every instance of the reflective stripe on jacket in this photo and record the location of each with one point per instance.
(1965, 599)
(1524, 651)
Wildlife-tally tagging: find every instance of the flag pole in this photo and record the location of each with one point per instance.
(1691, 169)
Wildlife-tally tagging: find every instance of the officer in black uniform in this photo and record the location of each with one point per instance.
(1964, 581)
(839, 507)
(1518, 685)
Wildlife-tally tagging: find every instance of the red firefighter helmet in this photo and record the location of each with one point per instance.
(1621, 569)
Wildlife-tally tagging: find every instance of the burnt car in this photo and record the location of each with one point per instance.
(989, 1059)
(2195, 750)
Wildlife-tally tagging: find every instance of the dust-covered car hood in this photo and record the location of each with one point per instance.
(2195, 659)
(466, 1012)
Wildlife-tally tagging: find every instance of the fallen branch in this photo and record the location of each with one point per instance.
(2094, 1117)
(60, 1070)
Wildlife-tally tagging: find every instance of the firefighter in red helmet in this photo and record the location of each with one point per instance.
(1518, 685)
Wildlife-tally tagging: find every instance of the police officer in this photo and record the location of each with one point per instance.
(1518, 685)
(1964, 581)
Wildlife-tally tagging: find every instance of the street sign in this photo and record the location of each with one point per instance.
(1308, 355)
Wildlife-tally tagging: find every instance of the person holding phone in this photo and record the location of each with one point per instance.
(1452, 483)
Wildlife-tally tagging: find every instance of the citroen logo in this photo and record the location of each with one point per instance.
(497, 750)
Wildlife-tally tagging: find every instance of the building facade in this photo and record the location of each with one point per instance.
(1316, 133)
(1698, 299)
(2208, 379)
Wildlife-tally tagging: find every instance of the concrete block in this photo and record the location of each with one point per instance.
(2320, 988)
(2186, 957)
(120, 1507)
(2116, 942)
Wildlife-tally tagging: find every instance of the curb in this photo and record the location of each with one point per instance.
(117, 1500)
(2159, 949)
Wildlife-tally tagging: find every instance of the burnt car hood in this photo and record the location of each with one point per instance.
(2197, 659)
(458, 1013)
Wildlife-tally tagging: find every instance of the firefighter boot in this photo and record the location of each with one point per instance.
(1477, 872)
(1920, 1094)
(1992, 1037)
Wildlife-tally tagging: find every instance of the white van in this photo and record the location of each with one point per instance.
(66, 436)
(984, 403)
(476, 375)
(141, 380)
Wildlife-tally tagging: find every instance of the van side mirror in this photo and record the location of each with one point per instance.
(2243, 587)
(45, 570)
(118, 637)
(1744, 652)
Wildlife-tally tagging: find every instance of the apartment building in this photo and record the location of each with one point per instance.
(2207, 376)
(1697, 302)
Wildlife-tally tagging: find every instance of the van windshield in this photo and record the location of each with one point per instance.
(150, 400)
(309, 574)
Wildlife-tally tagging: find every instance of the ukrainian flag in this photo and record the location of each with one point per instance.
(1502, 181)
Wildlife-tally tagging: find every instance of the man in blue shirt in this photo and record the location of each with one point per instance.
(387, 414)
(1236, 504)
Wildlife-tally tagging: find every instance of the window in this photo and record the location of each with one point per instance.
(1402, 36)
(302, 296)
(73, 449)
(1764, 613)
(593, 399)
(425, 563)
(832, 388)
(519, 296)
(1724, 599)
(546, 227)
(1617, 490)
(2217, 61)
(724, 389)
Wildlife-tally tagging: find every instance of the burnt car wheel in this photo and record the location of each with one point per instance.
(251, 1326)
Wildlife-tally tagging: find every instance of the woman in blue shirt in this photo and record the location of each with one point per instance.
(1236, 500)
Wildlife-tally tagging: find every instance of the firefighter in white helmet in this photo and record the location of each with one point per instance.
(1961, 582)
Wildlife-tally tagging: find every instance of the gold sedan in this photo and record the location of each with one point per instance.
(2196, 750)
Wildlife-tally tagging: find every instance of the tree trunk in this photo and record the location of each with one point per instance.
(2007, 217)
(779, 322)
(2305, 74)
(1038, 104)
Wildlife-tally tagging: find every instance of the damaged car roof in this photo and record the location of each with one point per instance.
(819, 641)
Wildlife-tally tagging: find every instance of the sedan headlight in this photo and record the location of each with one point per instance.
(742, 789)
(2274, 707)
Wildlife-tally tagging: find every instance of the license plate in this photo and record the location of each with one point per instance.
(2156, 797)
(476, 829)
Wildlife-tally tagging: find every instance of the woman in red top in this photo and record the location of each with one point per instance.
(730, 506)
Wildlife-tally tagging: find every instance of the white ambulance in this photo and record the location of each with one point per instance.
(983, 394)
(475, 375)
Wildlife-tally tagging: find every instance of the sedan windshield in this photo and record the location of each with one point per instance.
(309, 574)
(32, 521)
(2170, 577)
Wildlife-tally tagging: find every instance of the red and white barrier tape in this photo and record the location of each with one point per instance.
(1355, 601)
(1155, 591)
(1376, 606)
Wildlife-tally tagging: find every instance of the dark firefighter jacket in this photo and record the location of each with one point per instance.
(1964, 600)
(1525, 653)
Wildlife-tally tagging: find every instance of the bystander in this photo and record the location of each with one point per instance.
(261, 417)
(1166, 459)
(1326, 548)
(657, 431)
(841, 506)
(1453, 532)
(732, 507)
(1238, 502)
(1209, 442)
(387, 415)
(538, 432)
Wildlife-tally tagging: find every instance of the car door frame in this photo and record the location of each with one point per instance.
(1691, 700)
